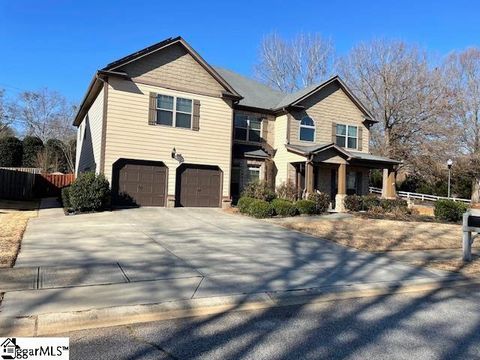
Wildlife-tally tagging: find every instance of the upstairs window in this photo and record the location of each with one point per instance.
(174, 111)
(347, 136)
(247, 128)
(307, 129)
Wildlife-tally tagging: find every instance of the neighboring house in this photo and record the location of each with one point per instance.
(168, 129)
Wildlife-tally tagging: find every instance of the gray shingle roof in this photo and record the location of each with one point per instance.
(309, 149)
(254, 94)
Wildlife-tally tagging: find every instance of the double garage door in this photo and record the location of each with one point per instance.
(144, 183)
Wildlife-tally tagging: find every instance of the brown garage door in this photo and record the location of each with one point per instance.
(199, 186)
(141, 183)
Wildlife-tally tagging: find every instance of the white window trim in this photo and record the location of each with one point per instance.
(346, 136)
(307, 127)
(248, 129)
(256, 169)
(174, 111)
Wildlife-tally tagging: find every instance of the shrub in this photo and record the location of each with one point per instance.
(284, 207)
(376, 211)
(260, 209)
(321, 200)
(259, 190)
(89, 192)
(287, 190)
(370, 201)
(66, 198)
(32, 145)
(391, 204)
(11, 151)
(307, 207)
(449, 210)
(354, 202)
(244, 203)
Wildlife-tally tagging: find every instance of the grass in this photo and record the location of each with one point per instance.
(14, 216)
(379, 235)
(455, 265)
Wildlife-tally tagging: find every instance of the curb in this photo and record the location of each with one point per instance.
(63, 322)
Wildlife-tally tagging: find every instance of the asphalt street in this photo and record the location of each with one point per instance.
(442, 324)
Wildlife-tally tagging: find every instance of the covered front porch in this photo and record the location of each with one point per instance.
(337, 172)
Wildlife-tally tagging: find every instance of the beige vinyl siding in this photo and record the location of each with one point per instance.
(129, 135)
(282, 157)
(89, 146)
(174, 68)
(330, 105)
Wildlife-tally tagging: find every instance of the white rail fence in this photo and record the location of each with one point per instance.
(423, 197)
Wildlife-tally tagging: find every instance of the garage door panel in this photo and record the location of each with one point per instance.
(198, 186)
(141, 184)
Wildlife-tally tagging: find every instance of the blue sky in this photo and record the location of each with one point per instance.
(59, 44)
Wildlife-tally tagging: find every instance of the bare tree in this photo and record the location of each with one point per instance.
(405, 95)
(292, 65)
(464, 70)
(48, 115)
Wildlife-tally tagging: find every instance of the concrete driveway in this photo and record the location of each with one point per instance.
(150, 255)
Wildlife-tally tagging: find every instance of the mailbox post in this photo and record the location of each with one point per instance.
(471, 224)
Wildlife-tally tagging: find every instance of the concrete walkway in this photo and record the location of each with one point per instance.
(155, 255)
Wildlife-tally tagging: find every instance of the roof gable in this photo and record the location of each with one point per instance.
(179, 42)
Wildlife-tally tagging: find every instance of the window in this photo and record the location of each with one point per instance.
(172, 111)
(253, 174)
(247, 128)
(346, 136)
(307, 129)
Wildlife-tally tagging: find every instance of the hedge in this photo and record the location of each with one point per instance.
(260, 209)
(244, 203)
(450, 210)
(284, 207)
(307, 207)
(369, 202)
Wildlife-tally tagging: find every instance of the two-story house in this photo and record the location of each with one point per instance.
(168, 129)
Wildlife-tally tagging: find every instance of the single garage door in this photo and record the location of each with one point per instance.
(141, 183)
(198, 186)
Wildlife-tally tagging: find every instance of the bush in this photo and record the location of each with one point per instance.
(11, 151)
(321, 200)
(66, 198)
(307, 207)
(391, 204)
(260, 209)
(259, 190)
(244, 203)
(449, 210)
(370, 201)
(287, 190)
(284, 207)
(376, 211)
(32, 145)
(89, 192)
(354, 202)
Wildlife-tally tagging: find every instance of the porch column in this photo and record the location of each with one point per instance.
(388, 184)
(342, 188)
(309, 180)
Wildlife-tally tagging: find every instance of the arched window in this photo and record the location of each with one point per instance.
(307, 129)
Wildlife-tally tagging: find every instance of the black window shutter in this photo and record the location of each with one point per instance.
(152, 109)
(196, 115)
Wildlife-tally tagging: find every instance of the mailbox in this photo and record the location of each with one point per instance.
(471, 224)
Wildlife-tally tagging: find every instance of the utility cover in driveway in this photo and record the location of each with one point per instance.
(140, 183)
(198, 186)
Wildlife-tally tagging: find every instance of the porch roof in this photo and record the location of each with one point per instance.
(307, 150)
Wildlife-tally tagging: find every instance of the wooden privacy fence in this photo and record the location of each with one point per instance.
(51, 184)
(20, 184)
(16, 185)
